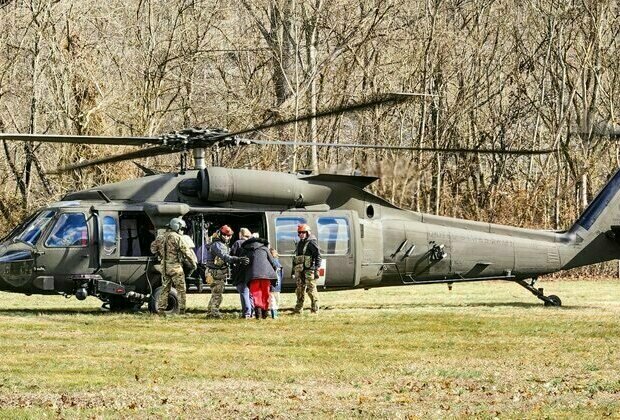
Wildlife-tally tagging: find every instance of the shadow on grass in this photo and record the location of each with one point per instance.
(52, 311)
(96, 311)
(453, 305)
(233, 313)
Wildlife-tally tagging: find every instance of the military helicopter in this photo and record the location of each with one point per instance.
(96, 242)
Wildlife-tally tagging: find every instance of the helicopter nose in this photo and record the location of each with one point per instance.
(16, 269)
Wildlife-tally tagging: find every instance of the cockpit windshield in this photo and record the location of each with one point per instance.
(32, 232)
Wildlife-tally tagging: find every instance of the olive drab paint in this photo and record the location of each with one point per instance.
(367, 241)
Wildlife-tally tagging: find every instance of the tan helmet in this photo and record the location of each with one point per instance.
(176, 224)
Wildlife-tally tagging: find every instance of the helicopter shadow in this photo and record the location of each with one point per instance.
(95, 311)
(523, 305)
(104, 312)
(54, 311)
(229, 313)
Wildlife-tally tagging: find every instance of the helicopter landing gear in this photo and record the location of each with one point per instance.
(551, 300)
(173, 301)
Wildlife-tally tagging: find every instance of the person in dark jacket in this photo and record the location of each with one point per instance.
(218, 260)
(238, 274)
(259, 274)
(306, 265)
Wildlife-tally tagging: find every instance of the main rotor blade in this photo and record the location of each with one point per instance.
(58, 138)
(412, 148)
(392, 98)
(136, 154)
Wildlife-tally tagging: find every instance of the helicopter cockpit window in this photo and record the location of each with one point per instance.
(286, 234)
(70, 230)
(333, 235)
(32, 232)
(109, 235)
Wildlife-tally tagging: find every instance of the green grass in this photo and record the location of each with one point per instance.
(483, 350)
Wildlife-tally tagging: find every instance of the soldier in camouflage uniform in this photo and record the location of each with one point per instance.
(218, 261)
(173, 250)
(306, 264)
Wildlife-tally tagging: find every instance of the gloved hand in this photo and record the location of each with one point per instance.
(316, 274)
(243, 260)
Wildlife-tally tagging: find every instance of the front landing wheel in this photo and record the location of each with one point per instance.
(173, 301)
(553, 300)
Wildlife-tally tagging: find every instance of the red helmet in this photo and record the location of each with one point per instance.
(226, 230)
(303, 228)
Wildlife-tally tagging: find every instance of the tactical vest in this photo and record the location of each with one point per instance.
(302, 262)
(217, 263)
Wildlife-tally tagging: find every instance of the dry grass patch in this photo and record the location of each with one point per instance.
(482, 350)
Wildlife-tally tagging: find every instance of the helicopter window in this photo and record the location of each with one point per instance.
(109, 235)
(136, 233)
(286, 234)
(32, 233)
(333, 235)
(70, 230)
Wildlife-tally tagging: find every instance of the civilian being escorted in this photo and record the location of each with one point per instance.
(260, 274)
(274, 291)
(239, 277)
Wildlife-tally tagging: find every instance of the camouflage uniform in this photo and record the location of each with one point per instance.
(172, 250)
(217, 291)
(218, 261)
(306, 262)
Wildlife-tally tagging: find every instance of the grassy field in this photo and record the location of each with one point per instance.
(482, 350)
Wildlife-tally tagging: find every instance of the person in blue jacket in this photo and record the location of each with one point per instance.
(274, 291)
(238, 275)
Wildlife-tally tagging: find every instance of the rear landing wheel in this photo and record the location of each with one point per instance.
(553, 301)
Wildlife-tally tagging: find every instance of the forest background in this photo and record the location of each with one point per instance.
(499, 74)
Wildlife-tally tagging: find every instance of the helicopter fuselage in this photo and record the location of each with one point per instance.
(97, 242)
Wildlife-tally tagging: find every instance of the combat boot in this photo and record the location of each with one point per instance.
(298, 309)
(315, 308)
(214, 315)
